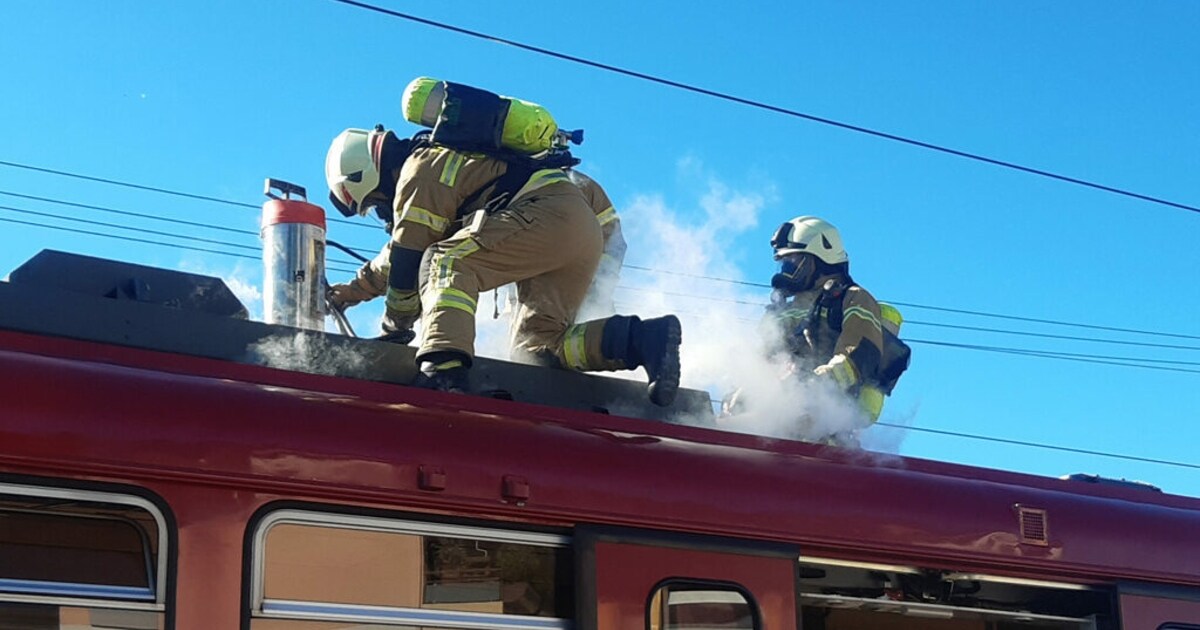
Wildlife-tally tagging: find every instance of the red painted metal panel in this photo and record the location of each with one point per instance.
(1139, 612)
(118, 414)
(627, 574)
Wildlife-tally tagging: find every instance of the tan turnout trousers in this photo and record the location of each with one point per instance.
(548, 241)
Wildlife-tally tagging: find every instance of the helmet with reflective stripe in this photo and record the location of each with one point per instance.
(809, 235)
(352, 168)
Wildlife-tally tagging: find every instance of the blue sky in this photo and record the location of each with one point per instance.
(212, 97)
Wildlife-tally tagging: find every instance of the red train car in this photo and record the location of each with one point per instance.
(156, 471)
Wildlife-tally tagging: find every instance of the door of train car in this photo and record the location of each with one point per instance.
(1159, 607)
(631, 579)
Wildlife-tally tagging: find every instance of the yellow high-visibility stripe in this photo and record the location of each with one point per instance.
(575, 347)
(403, 301)
(861, 313)
(607, 216)
(845, 374)
(454, 298)
(444, 263)
(870, 400)
(450, 171)
(421, 216)
(541, 178)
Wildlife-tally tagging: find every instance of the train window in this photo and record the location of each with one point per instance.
(80, 559)
(318, 571)
(847, 595)
(684, 605)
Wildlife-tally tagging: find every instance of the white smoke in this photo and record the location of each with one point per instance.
(723, 351)
(307, 352)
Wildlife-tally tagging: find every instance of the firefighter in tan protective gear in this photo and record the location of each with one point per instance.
(830, 327)
(465, 223)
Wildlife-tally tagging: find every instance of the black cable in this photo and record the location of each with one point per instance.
(1119, 361)
(127, 213)
(1052, 336)
(636, 267)
(1062, 356)
(1042, 321)
(1051, 447)
(148, 231)
(932, 308)
(165, 191)
(197, 239)
(353, 253)
(771, 108)
(151, 242)
(128, 238)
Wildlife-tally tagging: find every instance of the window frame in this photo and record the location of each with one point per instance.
(710, 585)
(262, 608)
(151, 599)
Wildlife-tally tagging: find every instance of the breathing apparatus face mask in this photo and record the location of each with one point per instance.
(797, 272)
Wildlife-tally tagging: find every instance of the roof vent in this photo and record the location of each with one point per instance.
(1033, 526)
(1116, 483)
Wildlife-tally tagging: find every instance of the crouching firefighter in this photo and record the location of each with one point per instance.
(471, 215)
(832, 327)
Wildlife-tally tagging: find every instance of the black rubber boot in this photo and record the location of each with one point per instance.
(655, 345)
(652, 344)
(444, 372)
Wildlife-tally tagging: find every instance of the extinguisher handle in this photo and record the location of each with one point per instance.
(287, 189)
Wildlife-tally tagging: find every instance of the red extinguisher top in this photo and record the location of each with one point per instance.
(286, 209)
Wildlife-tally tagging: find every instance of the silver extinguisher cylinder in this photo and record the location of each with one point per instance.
(293, 236)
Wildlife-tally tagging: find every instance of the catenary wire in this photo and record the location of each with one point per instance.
(1023, 333)
(196, 239)
(165, 191)
(1119, 361)
(1051, 447)
(151, 242)
(360, 254)
(1062, 356)
(928, 307)
(771, 108)
(356, 253)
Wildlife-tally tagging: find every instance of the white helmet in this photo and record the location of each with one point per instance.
(809, 235)
(352, 168)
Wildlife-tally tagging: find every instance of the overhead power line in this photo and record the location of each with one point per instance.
(164, 191)
(771, 108)
(363, 254)
(1051, 447)
(1050, 336)
(1132, 362)
(132, 239)
(942, 309)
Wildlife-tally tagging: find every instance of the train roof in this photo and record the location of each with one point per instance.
(129, 372)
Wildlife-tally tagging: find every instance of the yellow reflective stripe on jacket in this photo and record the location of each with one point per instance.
(870, 400)
(542, 178)
(403, 301)
(607, 216)
(450, 171)
(860, 312)
(575, 348)
(444, 263)
(843, 372)
(454, 298)
(421, 216)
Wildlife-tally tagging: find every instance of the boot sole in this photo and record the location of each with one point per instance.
(663, 390)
